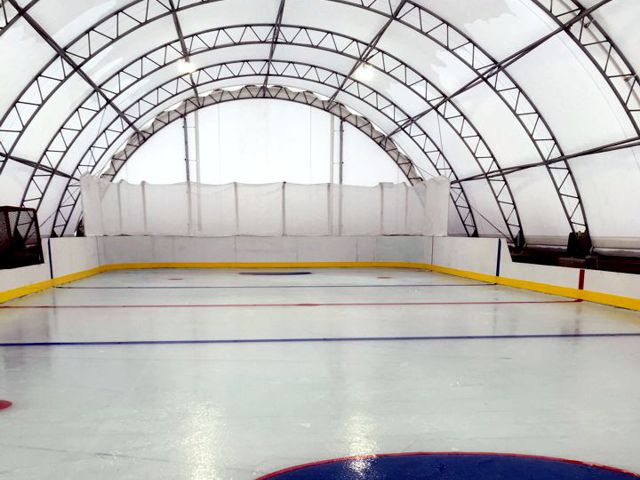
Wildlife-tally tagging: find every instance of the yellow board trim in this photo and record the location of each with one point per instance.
(590, 296)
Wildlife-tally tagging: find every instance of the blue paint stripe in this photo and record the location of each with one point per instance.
(134, 287)
(325, 339)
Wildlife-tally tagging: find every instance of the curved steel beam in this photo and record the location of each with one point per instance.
(324, 40)
(412, 15)
(252, 92)
(150, 101)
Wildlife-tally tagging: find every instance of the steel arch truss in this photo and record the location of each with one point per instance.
(607, 57)
(159, 96)
(251, 92)
(138, 13)
(288, 35)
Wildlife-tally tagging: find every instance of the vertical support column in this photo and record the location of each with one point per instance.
(284, 209)
(120, 227)
(341, 155)
(340, 175)
(188, 171)
(145, 220)
(406, 209)
(332, 146)
(237, 212)
(196, 118)
(330, 206)
(381, 185)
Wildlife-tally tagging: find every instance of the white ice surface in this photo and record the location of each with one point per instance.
(235, 411)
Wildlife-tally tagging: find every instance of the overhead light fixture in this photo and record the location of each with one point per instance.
(185, 66)
(233, 88)
(364, 72)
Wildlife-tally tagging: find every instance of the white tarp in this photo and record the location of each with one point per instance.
(272, 209)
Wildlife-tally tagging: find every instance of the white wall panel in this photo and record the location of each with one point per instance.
(20, 277)
(72, 255)
(476, 255)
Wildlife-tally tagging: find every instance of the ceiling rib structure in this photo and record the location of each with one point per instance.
(457, 78)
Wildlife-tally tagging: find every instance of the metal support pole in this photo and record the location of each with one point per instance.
(196, 118)
(188, 171)
(340, 175)
(341, 156)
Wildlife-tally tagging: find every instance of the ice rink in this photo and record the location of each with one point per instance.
(226, 374)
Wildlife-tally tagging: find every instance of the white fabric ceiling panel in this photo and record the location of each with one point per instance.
(455, 226)
(161, 157)
(17, 44)
(13, 181)
(52, 115)
(442, 68)
(356, 22)
(384, 84)
(64, 20)
(539, 206)
(171, 71)
(85, 139)
(130, 47)
(365, 162)
(50, 202)
(225, 13)
(365, 109)
(571, 94)
(620, 20)
(499, 26)
(485, 209)
(609, 184)
(413, 151)
(451, 144)
(310, 56)
(498, 125)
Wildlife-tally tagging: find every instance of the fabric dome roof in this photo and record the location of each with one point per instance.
(530, 107)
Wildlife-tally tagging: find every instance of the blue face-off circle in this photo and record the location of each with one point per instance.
(450, 466)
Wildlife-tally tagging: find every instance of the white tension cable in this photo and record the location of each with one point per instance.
(273, 209)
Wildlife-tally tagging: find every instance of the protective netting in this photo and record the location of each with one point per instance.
(20, 244)
(272, 209)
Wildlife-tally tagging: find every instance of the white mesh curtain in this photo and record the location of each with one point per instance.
(273, 209)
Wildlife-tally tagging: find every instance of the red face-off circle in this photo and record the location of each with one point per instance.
(5, 404)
